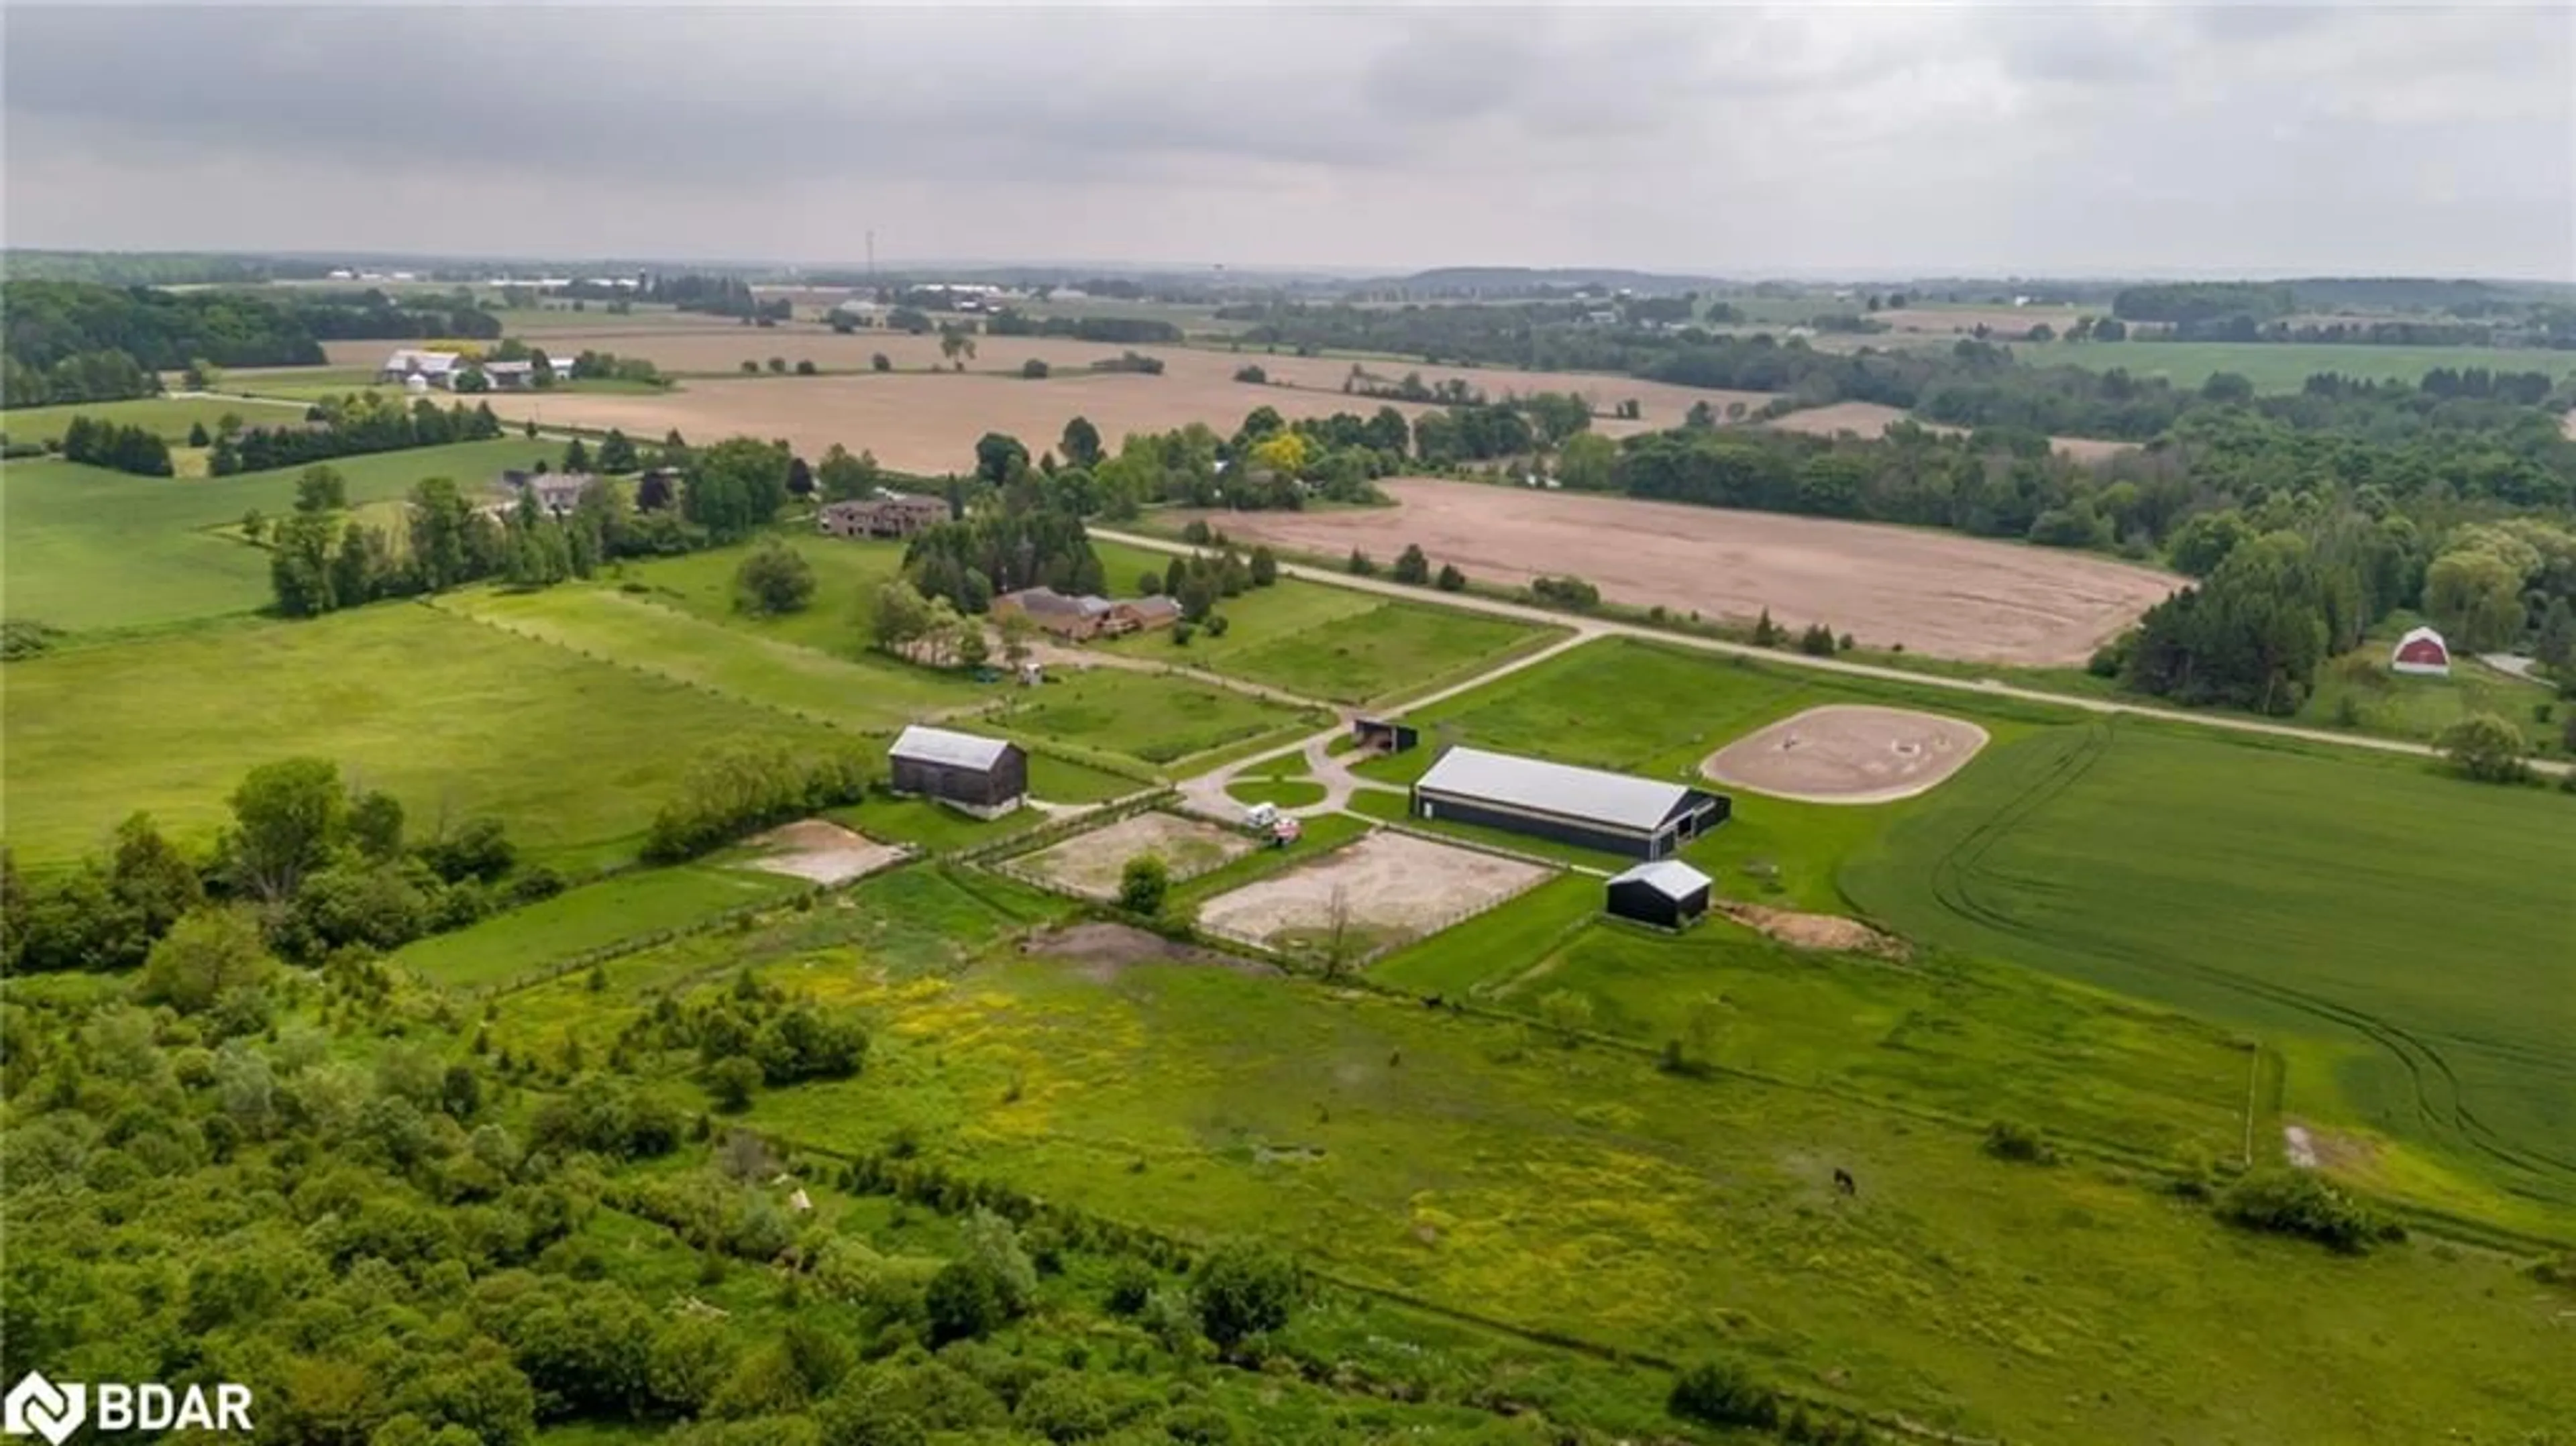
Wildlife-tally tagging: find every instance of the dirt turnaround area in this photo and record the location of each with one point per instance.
(1847, 753)
(1831, 932)
(1090, 863)
(1935, 592)
(1394, 887)
(822, 851)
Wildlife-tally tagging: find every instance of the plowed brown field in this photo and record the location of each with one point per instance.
(1935, 592)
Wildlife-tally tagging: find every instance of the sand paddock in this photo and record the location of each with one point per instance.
(1090, 864)
(1847, 753)
(1395, 886)
(1935, 592)
(821, 851)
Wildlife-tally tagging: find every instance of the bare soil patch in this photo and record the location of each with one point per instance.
(1935, 592)
(1872, 419)
(1090, 863)
(1847, 753)
(1102, 951)
(1394, 886)
(822, 851)
(1830, 932)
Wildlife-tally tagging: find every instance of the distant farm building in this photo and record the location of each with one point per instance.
(511, 376)
(986, 777)
(1088, 616)
(1666, 893)
(433, 368)
(2422, 651)
(1613, 812)
(888, 514)
(557, 492)
(1384, 735)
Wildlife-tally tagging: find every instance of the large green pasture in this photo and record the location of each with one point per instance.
(2409, 939)
(1473, 1165)
(455, 718)
(1157, 717)
(92, 549)
(2285, 366)
(860, 692)
(167, 417)
(847, 573)
(1977, 1042)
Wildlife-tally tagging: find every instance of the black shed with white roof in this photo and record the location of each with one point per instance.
(1666, 893)
(1614, 812)
(982, 775)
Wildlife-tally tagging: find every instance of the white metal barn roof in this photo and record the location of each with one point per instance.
(938, 745)
(1587, 794)
(1669, 877)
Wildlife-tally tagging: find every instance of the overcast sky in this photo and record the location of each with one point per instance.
(1894, 140)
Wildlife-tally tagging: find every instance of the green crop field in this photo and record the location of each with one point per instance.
(512, 946)
(1469, 1166)
(454, 718)
(861, 693)
(92, 549)
(1152, 716)
(2285, 366)
(169, 417)
(2322, 901)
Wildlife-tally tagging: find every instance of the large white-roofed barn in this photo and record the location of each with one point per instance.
(1614, 812)
(987, 776)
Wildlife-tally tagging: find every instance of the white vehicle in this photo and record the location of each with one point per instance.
(1261, 815)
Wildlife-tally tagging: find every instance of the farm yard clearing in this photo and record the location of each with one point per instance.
(1933, 592)
(1388, 887)
(1090, 863)
(820, 851)
(1848, 753)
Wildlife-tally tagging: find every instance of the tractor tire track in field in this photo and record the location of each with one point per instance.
(2440, 1100)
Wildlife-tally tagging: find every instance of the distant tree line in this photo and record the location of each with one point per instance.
(90, 376)
(115, 445)
(49, 321)
(2182, 302)
(716, 296)
(350, 426)
(1112, 330)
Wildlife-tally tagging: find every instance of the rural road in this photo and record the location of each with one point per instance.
(1588, 628)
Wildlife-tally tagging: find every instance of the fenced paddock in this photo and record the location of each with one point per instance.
(1382, 891)
(1089, 864)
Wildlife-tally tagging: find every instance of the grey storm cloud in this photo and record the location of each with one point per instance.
(1907, 137)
